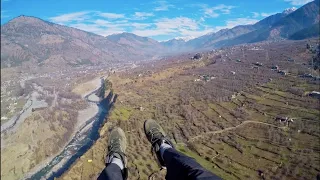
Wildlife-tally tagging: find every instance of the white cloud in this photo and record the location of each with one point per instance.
(263, 14)
(4, 14)
(175, 23)
(101, 22)
(187, 28)
(109, 23)
(153, 32)
(255, 14)
(298, 2)
(210, 13)
(94, 21)
(65, 18)
(167, 26)
(140, 25)
(215, 11)
(104, 23)
(111, 15)
(94, 28)
(182, 27)
(83, 16)
(267, 14)
(122, 21)
(142, 15)
(240, 21)
(163, 6)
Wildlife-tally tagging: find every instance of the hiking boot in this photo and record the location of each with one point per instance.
(117, 145)
(156, 136)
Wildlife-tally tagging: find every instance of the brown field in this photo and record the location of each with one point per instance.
(226, 123)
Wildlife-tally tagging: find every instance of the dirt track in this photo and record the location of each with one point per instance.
(231, 128)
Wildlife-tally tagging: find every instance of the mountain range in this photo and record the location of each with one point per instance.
(26, 41)
(275, 27)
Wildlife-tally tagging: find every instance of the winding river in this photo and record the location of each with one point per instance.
(80, 143)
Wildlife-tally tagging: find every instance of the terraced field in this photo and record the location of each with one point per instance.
(226, 122)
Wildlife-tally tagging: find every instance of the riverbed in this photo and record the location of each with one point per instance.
(83, 139)
(31, 103)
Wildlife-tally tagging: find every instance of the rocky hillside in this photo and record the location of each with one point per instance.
(309, 32)
(28, 41)
(175, 45)
(213, 39)
(275, 27)
(142, 44)
(209, 40)
(304, 17)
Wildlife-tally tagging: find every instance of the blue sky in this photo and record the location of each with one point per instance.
(159, 19)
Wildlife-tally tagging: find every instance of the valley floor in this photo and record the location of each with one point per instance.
(221, 112)
(51, 118)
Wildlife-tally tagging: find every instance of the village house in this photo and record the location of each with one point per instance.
(315, 94)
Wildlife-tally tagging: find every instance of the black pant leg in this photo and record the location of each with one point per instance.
(111, 172)
(180, 166)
